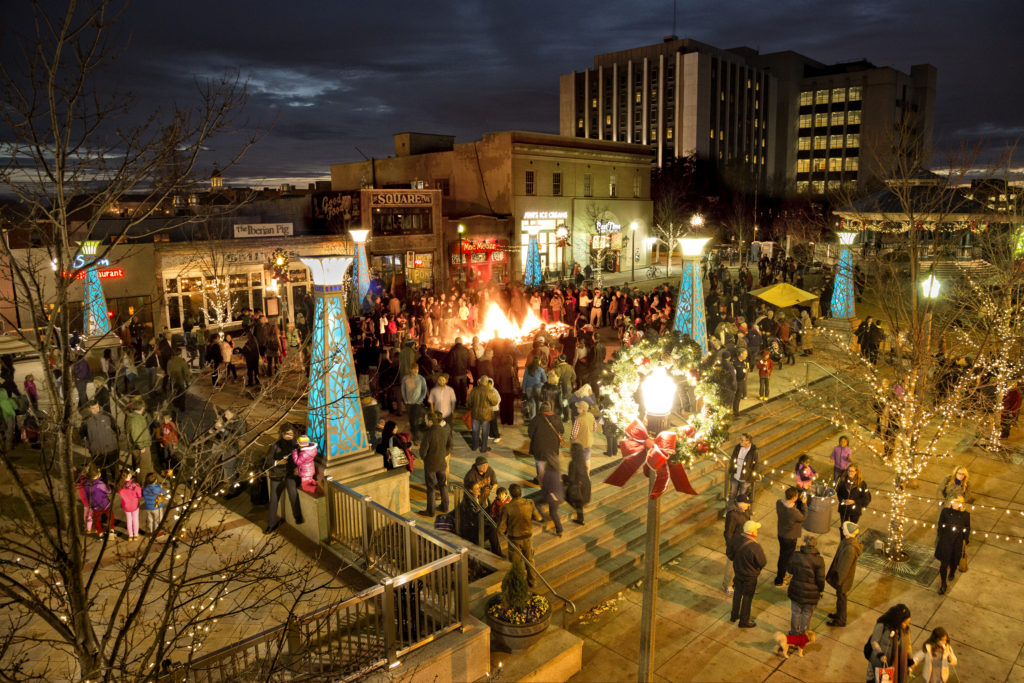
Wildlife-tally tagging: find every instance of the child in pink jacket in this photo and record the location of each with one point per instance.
(305, 457)
(130, 492)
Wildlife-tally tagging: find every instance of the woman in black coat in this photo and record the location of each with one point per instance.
(853, 495)
(953, 535)
(387, 440)
(577, 482)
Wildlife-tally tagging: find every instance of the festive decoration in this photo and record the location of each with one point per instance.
(707, 425)
(96, 321)
(532, 276)
(335, 415)
(691, 318)
(639, 449)
(842, 291)
(279, 265)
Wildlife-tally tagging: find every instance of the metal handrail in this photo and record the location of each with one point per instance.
(828, 371)
(570, 606)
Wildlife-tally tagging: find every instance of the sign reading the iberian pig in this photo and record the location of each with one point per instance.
(263, 230)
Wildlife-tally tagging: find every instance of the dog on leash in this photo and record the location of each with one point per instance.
(784, 641)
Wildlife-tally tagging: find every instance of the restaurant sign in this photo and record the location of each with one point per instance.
(243, 230)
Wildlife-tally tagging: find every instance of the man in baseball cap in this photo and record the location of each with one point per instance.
(747, 562)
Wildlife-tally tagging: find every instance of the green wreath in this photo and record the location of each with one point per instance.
(703, 431)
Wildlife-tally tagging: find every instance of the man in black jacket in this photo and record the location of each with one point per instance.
(747, 561)
(734, 521)
(790, 521)
(458, 365)
(742, 469)
(842, 571)
(545, 431)
(806, 586)
(283, 475)
(434, 451)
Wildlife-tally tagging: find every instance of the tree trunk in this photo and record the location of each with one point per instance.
(897, 521)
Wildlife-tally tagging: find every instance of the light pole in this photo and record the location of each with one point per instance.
(362, 267)
(930, 290)
(691, 318)
(659, 393)
(696, 223)
(562, 233)
(632, 248)
(462, 256)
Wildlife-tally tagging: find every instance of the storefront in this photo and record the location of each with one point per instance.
(405, 247)
(479, 261)
(606, 245)
(552, 248)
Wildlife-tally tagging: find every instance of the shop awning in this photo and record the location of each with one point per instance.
(784, 295)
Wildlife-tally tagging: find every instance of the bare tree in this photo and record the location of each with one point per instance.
(596, 220)
(83, 606)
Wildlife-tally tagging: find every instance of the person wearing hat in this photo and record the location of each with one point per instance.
(517, 518)
(841, 572)
(483, 474)
(566, 382)
(747, 562)
(805, 588)
(737, 516)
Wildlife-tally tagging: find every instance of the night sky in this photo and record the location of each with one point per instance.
(333, 76)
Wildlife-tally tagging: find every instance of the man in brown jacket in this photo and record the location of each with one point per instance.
(516, 522)
(482, 402)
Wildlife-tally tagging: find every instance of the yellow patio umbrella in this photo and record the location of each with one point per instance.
(784, 295)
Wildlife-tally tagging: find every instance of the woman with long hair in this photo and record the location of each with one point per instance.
(956, 484)
(853, 495)
(952, 537)
(889, 644)
(935, 657)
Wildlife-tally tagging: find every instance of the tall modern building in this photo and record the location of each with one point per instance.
(787, 118)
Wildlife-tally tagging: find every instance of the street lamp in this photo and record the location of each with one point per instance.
(462, 256)
(930, 287)
(696, 221)
(562, 233)
(632, 248)
(659, 392)
(842, 287)
(362, 268)
(691, 318)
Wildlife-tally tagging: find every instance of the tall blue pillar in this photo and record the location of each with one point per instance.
(335, 412)
(691, 318)
(532, 276)
(842, 289)
(96, 322)
(362, 269)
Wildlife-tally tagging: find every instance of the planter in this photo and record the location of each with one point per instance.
(515, 638)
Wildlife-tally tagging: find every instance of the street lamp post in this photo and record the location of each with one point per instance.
(930, 290)
(562, 233)
(658, 392)
(462, 256)
(691, 318)
(362, 270)
(632, 249)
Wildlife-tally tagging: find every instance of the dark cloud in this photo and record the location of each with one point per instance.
(328, 77)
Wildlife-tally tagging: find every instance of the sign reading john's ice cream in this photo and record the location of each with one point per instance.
(263, 230)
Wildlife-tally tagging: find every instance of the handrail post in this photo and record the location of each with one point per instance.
(464, 587)
(389, 621)
(293, 638)
(407, 542)
(367, 530)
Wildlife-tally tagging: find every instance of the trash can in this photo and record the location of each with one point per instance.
(820, 501)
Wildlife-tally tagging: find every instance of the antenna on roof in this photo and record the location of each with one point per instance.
(672, 36)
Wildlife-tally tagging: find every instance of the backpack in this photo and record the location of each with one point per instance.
(445, 522)
(99, 499)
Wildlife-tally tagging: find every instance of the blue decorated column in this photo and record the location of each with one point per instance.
(362, 269)
(96, 322)
(532, 276)
(691, 317)
(842, 290)
(335, 413)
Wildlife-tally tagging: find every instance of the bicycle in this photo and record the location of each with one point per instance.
(652, 272)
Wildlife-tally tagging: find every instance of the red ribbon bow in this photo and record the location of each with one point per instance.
(638, 448)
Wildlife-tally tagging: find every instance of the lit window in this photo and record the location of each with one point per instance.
(607, 119)
(668, 133)
(757, 85)
(852, 164)
(805, 120)
(579, 123)
(821, 97)
(820, 120)
(854, 117)
(721, 135)
(837, 118)
(530, 188)
(593, 103)
(654, 134)
(757, 104)
(748, 84)
(820, 142)
(833, 185)
(757, 123)
(639, 97)
(838, 94)
(854, 93)
(723, 96)
(712, 133)
(853, 139)
(611, 185)
(588, 185)
(806, 98)
(802, 186)
(819, 164)
(746, 159)
(835, 141)
(556, 184)
(803, 165)
(835, 164)
(803, 144)
(762, 142)
(654, 93)
(818, 186)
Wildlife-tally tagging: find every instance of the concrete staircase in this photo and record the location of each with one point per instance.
(594, 562)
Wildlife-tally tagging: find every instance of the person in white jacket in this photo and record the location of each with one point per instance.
(935, 657)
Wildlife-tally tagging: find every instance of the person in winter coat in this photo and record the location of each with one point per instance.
(735, 518)
(577, 482)
(553, 493)
(805, 588)
(935, 657)
(534, 379)
(853, 495)
(459, 359)
(765, 365)
(282, 471)
(582, 433)
(843, 570)
(99, 497)
(482, 402)
(840, 458)
(153, 498)
(251, 354)
(482, 477)
(953, 535)
(140, 437)
(517, 517)
(747, 562)
(742, 468)
(889, 644)
(305, 457)
(101, 438)
(435, 450)
(8, 412)
(956, 484)
(130, 492)
(790, 521)
(545, 433)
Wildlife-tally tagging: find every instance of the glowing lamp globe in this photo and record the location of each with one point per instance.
(846, 238)
(692, 246)
(659, 392)
(359, 236)
(931, 287)
(697, 220)
(532, 230)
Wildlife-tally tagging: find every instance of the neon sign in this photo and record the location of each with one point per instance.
(104, 273)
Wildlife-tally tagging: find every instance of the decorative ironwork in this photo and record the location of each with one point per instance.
(532, 276)
(362, 273)
(691, 317)
(95, 322)
(842, 291)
